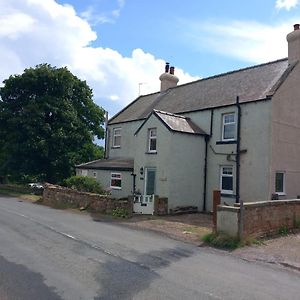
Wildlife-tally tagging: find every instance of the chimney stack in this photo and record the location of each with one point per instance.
(168, 79)
(293, 39)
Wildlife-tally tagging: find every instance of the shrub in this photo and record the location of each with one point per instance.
(83, 184)
(120, 213)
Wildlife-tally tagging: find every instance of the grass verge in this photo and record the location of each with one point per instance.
(18, 191)
(223, 241)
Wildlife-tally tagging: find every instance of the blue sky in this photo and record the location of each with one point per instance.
(117, 44)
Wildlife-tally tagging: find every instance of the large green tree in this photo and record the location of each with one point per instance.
(48, 121)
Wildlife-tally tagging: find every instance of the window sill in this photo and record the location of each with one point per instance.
(226, 142)
(151, 152)
(115, 188)
(115, 147)
(224, 195)
(281, 194)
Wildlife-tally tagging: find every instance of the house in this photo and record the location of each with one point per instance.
(237, 132)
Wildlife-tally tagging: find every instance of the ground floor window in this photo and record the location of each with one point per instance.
(226, 180)
(280, 182)
(116, 181)
(84, 172)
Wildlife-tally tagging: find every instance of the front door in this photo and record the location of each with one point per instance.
(149, 181)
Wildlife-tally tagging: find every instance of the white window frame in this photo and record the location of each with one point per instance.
(226, 124)
(115, 176)
(283, 183)
(226, 175)
(150, 138)
(117, 133)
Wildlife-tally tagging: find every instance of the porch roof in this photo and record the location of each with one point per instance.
(120, 164)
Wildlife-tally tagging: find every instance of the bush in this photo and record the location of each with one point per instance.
(83, 184)
(120, 213)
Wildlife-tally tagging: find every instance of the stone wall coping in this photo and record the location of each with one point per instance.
(268, 203)
(228, 208)
(63, 188)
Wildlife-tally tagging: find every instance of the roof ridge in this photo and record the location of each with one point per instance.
(230, 72)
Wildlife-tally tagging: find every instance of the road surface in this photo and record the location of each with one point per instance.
(54, 254)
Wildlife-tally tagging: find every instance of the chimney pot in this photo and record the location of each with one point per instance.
(296, 26)
(172, 70)
(167, 67)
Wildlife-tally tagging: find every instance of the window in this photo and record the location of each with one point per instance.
(152, 140)
(226, 184)
(280, 183)
(116, 181)
(84, 172)
(95, 174)
(228, 127)
(117, 137)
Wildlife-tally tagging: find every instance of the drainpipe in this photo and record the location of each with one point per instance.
(238, 149)
(205, 173)
(207, 138)
(106, 136)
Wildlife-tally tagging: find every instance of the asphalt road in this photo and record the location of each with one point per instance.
(52, 254)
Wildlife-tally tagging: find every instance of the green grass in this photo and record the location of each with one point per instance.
(283, 230)
(221, 240)
(19, 191)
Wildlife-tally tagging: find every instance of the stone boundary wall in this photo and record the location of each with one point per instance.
(59, 196)
(260, 218)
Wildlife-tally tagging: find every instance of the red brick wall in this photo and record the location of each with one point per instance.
(268, 217)
(260, 218)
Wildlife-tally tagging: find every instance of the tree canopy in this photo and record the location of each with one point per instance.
(48, 122)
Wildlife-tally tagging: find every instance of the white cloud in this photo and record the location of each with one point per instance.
(286, 4)
(34, 32)
(245, 40)
(93, 16)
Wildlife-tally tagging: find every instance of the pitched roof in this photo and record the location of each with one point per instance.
(250, 84)
(108, 164)
(179, 123)
(175, 123)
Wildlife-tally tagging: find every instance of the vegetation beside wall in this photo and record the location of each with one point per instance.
(84, 184)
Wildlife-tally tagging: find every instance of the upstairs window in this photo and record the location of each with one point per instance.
(226, 184)
(280, 183)
(116, 181)
(117, 133)
(152, 140)
(228, 127)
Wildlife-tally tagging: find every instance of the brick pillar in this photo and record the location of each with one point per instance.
(216, 202)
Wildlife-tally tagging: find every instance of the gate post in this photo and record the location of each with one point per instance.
(216, 202)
